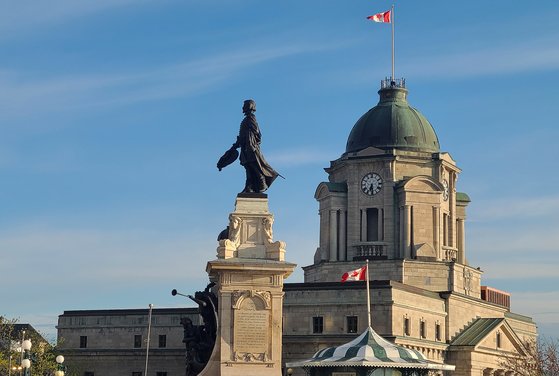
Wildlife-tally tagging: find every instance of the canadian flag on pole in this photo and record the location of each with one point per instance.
(355, 275)
(381, 17)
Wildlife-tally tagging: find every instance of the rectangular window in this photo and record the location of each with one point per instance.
(317, 324)
(407, 328)
(498, 340)
(88, 373)
(83, 342)
(137, 341)
(351, 324)
(162, 340)
(438, 332)
(422, 331)
(161, 374)
(372, 224)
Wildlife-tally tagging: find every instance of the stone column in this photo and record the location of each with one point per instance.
(363, 225)
(333, 235)
(402, 230)
(452, 208)
(343, 236)
(461, 242)
(380, 224)
(437, 231)
(407, 231)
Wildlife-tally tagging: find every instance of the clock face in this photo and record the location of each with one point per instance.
(371, 184)
(445, 190)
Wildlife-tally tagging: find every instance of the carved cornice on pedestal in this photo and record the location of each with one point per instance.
(238, 296)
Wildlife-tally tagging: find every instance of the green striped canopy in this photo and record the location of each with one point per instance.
(370, 350)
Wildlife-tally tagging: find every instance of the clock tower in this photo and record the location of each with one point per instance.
(391, 198)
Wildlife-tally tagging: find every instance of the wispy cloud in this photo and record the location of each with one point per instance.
(517, 226)
(514, 270)
(297, 157)
(522, 241)
(19, 91)
(129, 255)
(63, 268)
(522, 56)
(26, 16)
(543, 306)
(517, 207)
(471, 61)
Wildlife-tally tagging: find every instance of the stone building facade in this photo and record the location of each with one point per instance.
(113, 342)
(392, 199)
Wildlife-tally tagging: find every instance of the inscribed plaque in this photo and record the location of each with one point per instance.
(251, 328)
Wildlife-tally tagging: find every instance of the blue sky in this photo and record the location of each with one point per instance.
(113, 115)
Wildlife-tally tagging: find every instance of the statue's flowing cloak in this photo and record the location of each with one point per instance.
(249, 141)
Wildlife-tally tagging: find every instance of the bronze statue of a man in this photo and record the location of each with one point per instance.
(259, 174)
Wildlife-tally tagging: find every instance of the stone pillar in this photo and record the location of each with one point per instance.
(461, 242)
(333, 235)
(402, 230)
(343, 236)
(437, 231)
(452, 208)
(363, 225)
(380, 212)
(249, 274)
(407, 232)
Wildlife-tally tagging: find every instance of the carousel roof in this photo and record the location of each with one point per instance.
(370, 350)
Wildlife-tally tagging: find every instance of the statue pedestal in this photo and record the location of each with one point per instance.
(250, 232)
(249, 274)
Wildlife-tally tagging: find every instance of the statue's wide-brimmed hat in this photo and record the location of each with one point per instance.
(226, 159)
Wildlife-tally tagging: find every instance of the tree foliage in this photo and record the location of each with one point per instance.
(42, 353)
(541, 358)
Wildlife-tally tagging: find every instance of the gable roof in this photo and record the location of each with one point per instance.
(476, 331)
(336, 187)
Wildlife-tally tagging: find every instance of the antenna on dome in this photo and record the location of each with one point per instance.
(392, 22)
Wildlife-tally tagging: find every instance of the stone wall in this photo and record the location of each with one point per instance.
(110, 340)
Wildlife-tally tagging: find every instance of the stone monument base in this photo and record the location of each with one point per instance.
(249, 274)
(250, 295)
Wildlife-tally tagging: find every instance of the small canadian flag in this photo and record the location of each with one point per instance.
(355, 275)
(381, 17)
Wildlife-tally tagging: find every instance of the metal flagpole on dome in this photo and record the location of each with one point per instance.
(368, 297)
(392, 22)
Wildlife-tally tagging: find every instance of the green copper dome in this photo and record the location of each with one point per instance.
(393, 124)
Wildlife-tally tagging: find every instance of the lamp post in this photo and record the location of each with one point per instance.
(60, 370)
(149, 335)
(26, 362)
(20, 350)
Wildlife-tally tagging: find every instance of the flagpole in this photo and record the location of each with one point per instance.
(393, 19)
(149, 334)
(368, 297)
